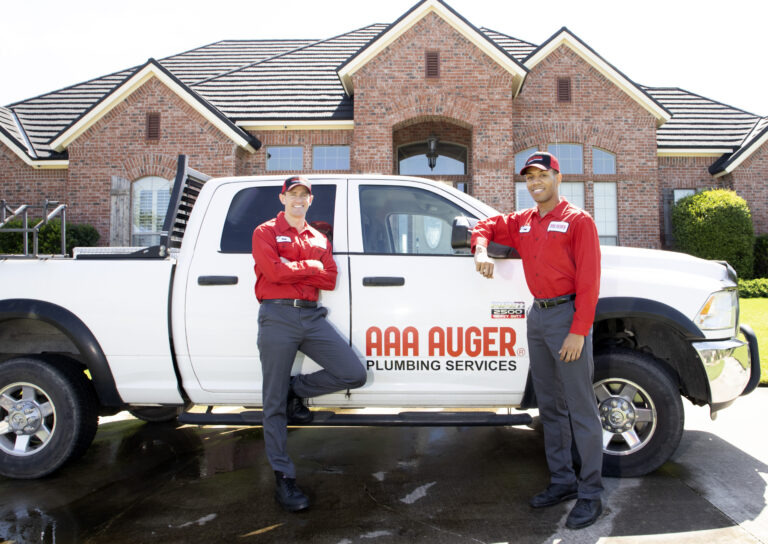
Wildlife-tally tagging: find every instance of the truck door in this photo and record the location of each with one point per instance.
(431, 330)
(222, 360)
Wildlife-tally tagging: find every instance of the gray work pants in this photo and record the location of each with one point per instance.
(284, 330)
(566, 400)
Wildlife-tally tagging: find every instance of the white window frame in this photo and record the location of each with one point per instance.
(606, 212)
(156, 192)
(568, 157)
(281, 159)
(601, 156)
(335, 153)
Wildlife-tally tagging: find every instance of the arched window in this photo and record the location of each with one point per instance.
(570, 157)
(451, 160)
(522, 156)
(150, 197)
(603, 162)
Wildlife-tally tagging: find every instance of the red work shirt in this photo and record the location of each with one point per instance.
(560, 252)
(274, 243)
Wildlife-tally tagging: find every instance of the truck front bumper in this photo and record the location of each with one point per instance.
(732, 367)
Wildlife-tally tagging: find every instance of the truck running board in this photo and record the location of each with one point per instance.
(332, 419)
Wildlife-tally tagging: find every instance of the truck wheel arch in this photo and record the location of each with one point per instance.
(663, 330)
(77, 333)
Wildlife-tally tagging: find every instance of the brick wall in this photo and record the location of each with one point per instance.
(599, 115)
(22, 184)
(117, 146)
(750, 180)
(473, 93)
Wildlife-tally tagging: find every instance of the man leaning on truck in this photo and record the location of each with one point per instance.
(560, 250)
(293, 262)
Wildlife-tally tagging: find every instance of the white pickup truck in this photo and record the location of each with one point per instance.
(170, 331)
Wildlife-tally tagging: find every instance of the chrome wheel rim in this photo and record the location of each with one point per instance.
(627, 415)
(27, 419)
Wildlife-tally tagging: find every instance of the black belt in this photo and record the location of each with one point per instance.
(552, 302)
(295, 302)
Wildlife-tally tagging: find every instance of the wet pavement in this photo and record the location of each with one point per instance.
(157, 483)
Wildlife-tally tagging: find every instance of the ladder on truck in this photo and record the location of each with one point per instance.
(49, 209)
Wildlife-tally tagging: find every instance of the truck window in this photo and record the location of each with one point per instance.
(407, 220)
(254, 205)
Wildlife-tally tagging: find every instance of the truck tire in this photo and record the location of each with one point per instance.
(48, 415)
(640, 410)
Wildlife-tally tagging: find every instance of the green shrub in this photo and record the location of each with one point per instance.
(757, 288)
(49, 238)
(761, 256)
(716, 225)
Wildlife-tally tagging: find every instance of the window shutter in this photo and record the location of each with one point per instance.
(563, 89)
(432, 64)
(153, 126)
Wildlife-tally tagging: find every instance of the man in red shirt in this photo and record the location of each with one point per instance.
(293, 261)
(559, 246)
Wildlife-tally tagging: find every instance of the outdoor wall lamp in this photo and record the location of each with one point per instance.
(432, 151)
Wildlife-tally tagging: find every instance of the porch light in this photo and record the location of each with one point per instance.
(432, 151)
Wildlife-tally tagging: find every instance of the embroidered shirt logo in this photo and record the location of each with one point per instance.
(525, 228)
(283, 239)
(558, 226)
(318, 242)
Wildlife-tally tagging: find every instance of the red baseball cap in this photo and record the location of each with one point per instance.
(293, 181)
(543, 161)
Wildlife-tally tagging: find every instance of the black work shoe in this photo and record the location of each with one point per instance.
(297, 413)
(554, 494)
(288, 494)
(584, 513)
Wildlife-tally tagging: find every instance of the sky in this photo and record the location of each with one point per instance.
(712, 48)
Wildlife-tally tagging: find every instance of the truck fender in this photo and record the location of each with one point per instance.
(623, 307)
(78, 333)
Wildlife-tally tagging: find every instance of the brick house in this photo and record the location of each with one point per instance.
(429, 94)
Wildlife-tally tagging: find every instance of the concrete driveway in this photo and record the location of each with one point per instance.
(150, 483)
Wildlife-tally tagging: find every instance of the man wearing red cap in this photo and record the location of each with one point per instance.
(560, 250)
(293, 262)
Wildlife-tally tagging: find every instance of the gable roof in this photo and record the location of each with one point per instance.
(699, 125)
(413, 16)
(565, 37)
(222, 57)
(153, 69)
(297, 85)
(756, 138)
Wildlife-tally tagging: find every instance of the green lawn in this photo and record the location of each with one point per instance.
(754, 312)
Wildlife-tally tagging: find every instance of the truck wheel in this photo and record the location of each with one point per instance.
(48, 415)
(640, 411)
(156, 414)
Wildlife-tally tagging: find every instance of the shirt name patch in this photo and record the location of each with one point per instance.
(525, 228)
(558, 226)
(283, 239)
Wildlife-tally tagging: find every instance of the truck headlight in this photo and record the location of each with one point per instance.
(719, 311)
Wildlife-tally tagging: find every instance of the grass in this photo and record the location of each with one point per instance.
(754, 312)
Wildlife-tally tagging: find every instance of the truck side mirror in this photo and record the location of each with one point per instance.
(461, 234)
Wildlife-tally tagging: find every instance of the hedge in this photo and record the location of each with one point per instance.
(757, 288)
(49, 238)
(716, 225)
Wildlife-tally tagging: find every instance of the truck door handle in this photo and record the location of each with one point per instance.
(217, 280)
(383, 281)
